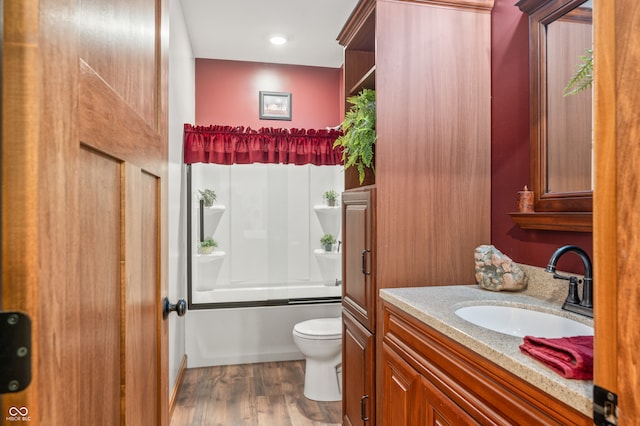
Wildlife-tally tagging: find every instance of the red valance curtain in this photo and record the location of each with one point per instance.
(237, 145)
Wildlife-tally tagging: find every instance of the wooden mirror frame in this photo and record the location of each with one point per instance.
(566, 211)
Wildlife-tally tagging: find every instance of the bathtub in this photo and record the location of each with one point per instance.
(248, 335)
(260, 292)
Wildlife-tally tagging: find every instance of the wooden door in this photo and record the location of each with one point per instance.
(358, 373)
(84, 153)
(358, 283)
(616, 203)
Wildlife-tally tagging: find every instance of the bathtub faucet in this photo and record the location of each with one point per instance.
(573, 302)
(338, 282)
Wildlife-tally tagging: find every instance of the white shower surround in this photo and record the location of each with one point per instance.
(260, 334)
(269, 232)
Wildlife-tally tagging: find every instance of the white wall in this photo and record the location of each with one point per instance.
(181, 110)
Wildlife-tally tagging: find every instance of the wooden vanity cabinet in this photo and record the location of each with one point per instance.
(429, 379)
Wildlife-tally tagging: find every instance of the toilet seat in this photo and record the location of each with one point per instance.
(319, 329)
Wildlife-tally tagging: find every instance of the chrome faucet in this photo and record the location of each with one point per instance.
(573, 303)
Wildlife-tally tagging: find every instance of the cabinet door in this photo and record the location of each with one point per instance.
(440, 410)
(400, 387)
(358, 284)
(358, 373)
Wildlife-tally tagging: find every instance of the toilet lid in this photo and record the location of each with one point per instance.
(321, 328)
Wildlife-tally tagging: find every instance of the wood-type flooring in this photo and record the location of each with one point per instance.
(265, 394)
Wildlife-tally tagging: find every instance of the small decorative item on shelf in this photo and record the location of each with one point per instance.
(207, 246)
(331, 196)
(327, 242)
(208, 196)
(525, 200)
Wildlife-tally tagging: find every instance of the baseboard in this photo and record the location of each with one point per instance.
(235, 359)
(176, 387)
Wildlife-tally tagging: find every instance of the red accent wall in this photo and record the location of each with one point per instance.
(227, 93)
(510, 145)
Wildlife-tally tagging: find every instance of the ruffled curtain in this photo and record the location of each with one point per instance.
(239, 145)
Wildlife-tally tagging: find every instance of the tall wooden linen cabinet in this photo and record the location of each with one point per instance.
(417, 221)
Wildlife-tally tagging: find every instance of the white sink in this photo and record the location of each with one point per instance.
(522, 322)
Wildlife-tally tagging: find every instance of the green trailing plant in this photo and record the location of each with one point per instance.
(359, 133)
(327, 239)
(583, 77)
(209, 197)
(331, 196)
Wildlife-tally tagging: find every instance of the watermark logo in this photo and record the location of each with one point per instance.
(18, 414)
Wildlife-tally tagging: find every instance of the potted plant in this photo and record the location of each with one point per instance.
(207, 246)
(208, 196)
(327, 242)
(331, 196)
(359, 132)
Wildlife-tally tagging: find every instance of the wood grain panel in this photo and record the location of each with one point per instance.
(109, 124)
(617, 242)
(100, 299)
(118, 39)
(433, 150)
(605, 220)
(20, 126)
(142, 291)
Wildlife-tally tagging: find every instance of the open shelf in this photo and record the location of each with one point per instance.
(554, 221)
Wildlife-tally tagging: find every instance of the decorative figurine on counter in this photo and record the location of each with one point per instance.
(496, 271)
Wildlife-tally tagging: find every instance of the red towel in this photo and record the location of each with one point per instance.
(571, 357)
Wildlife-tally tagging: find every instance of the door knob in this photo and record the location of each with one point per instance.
(180, 308)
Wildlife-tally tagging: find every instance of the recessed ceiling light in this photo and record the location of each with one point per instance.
(278, 40)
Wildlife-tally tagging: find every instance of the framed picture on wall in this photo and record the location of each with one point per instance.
(275, 106)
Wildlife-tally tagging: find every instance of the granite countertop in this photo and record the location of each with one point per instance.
(435, 307)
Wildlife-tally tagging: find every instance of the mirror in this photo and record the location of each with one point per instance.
(561, 39)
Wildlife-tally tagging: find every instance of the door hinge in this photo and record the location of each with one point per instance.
(15, 351)
(605, 407)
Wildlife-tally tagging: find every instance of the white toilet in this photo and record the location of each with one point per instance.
(320, 341)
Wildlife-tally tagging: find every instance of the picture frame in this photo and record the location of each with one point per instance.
(275, 106)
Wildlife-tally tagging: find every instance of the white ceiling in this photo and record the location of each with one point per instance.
(240, 30)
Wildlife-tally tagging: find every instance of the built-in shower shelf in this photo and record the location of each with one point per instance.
(209, 266)
(206, 258)
(329, 264)
(328, 254)
(210, 219)
(329, 217)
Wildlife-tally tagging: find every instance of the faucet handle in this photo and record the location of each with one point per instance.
(557, 276)
(572, 297)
